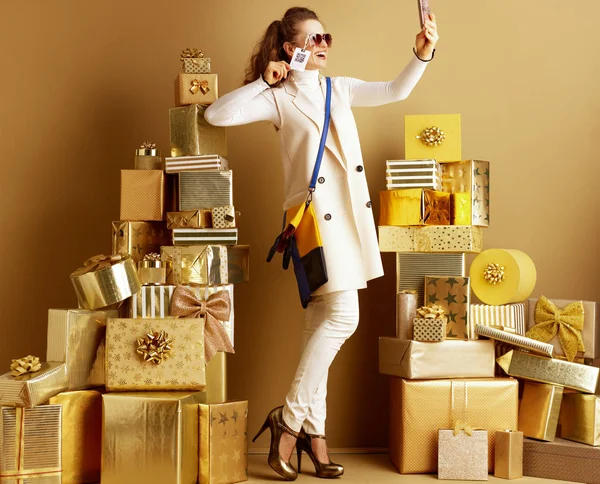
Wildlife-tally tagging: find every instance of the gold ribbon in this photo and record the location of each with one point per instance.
(431, 312)
(27, 364)
(155, 347)
(566, 322)
(191, 54)
(153, 256)
(214, 310)
(98, 262)
(148, 145)
(199, 86)
(432, 136)
(494, 273)
(460, 425)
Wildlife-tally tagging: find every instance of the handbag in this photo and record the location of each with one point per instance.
(300, 239)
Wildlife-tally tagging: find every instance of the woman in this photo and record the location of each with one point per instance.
(294, 102)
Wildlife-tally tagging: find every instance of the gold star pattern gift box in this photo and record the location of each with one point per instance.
(431, 238)
(223, 443)
(453, 294)
(138, 238)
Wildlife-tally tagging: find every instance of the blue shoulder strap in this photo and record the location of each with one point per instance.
(315, 175)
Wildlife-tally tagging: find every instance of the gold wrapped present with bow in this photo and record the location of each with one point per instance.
(151, 270)
(138, 239)
(430, 324)
(147, 157)
(453, 295)
(431, 238)
(32, 388)
(190, 219)
(469, 184)
(414, 206)
(105, 280)
(198, 89)
(463, 454)
(191, 134)
(432, 136)
(194, 62)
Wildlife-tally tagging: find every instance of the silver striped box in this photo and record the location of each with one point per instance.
(511, 317)
(205, 236)
(205, 189)
(195, 163)
(413, 174)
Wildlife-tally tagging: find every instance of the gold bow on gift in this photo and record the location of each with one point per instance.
(567, 322)
(148, 145)
(153, 256)
(433, 136)
(214, 310)
(98, 262)
(431, 312)
(155, 347)
(460, 425)
(199, 86)
(191, 54)
(22, 366)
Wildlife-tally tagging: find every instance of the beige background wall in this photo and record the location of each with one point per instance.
(82, 83)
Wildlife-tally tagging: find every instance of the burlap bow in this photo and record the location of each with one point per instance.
(27, 364)
(567, 322)
(98, 262)
(460, 425)
(214, 310)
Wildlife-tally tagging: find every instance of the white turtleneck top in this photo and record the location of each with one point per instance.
(255, 101)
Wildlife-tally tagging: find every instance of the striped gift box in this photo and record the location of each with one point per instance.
(510, 317)
(205, 189)
(413, 174)
(205, 236)
(195, 163)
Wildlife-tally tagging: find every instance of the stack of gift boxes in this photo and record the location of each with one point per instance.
(476, 386)
(135, 386)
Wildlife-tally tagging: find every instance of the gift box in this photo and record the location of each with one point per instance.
(419, 408)
(469, 182)
(223, 217)
(502, 276)
(462, 455)
(152, 271)
(406, 311)
(580, 418)
(413, 174)
(414, 206)
(192, 135)
(30, 445)
(561, 459)
(205, 189)
(138, 238)
(539, 411)
(223, 456)
(411, 269)
(429, 330)
(430, 238)
(415, 360)
(207, 264)
(105, 280)
(169, 456)
(216, 378)
(432, 136)
(194, 62)
(557, 307)
(205, 236)
(142, 195)
(76, 338)
(81, 435)
(509, 455)
(31, 389)
(190, 219)
(195, 163)
(578, 377)
(453, 294)
(198, 89)
(517, 340)
(155, 354)
(510, 317)
(147, 157)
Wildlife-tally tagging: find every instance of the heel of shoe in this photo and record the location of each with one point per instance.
(262, 429)
(299, 452)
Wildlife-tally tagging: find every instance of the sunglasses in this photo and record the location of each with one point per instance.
(316, 39)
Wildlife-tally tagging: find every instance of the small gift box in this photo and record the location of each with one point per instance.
(463, 455)
(194, 62)
(430, 324)
(223, 217)
(223, 446)
(205, 189)
(147, 157)
(580, 418)
(138, 238)
(205, 236)
(453, 294)
(216, 378)
(30, 445)
(198, 89)
(469, 183)
(170, 456)
(151, 270)
(414, 206)
(76, 338)
(190, 219)
(517, 340)
(81, 435)
(509, 454)
(430, 238)
(432, 136)
(142, 195)
(105, 280)
(413, 174)
(191, 134)
(406, 311)
(509, 318)
(539, 411)
(31, 383)
(195, 163)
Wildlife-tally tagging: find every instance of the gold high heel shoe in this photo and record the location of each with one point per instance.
(275, 423)
(325, 470)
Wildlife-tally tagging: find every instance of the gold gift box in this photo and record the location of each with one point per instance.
(81, 435)
(578, 377)
(509, 455)
(33, 389)
(216, 378)
(148, 158)
(469, 182)
(223, 217)
(150, 437)
(431, 238)
(406, 311)
(415, 360)
(539, 411)
(580, 418)
(223, 457)
(30, 445)
(512, 339)
(142, 195)
(138, 238)
(450, 147)
(419, 408)
(205, 189)
(192, 135)
(414, 206)
(196, 65)
(453, 294)
(76, 338)
(190, 219)
(198, 88)
(463, 457)
(510, 317)
(207, 264)
(183, 369)
(152, 272)
(429, 330)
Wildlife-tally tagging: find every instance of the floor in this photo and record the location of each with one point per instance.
(359, 468)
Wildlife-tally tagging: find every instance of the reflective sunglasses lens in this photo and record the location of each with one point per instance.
(328, 39)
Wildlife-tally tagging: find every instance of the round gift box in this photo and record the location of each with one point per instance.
(152, 272)
(519, 276)
(105, 280)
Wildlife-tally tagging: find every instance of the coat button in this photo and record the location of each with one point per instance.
(321, 179)
(369, 204)
(327, 216)
(359, 168)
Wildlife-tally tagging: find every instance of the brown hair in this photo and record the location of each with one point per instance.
(270, 48)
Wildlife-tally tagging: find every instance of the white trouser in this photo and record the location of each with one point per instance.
(330, 321)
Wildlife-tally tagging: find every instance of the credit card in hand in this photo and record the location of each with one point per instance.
(424, 11)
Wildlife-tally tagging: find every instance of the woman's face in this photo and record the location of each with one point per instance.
(319, 53)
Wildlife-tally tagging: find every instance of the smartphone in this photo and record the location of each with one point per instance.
(424, 11)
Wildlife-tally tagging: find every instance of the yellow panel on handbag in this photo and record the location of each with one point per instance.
(307, 232)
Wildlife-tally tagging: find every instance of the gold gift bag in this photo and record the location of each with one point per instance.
(198, 89)
(469, 183)
(463, 455)
(192, 135)
(223, 443)
(142, 195)
(414, 206)
(432, 136)
(431, 238)
(453, 294)
(138, 238)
